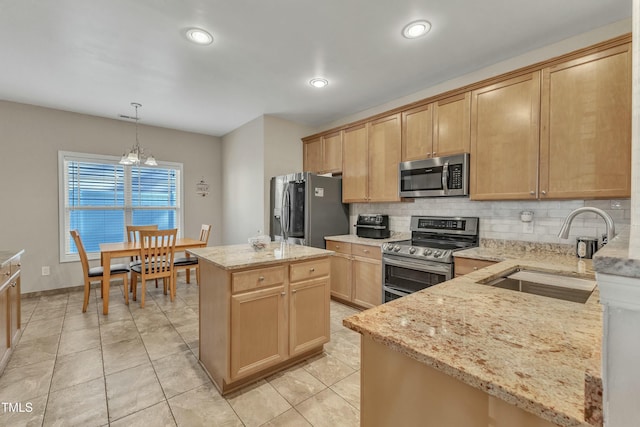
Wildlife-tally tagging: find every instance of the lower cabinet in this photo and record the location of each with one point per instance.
(9, 307)
(464, 266)
(255, 321)
(356, 273)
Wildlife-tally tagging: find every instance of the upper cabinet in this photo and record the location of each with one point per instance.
(323, 154)
(371, 155)
(585, 134)
(504, 139)
(437, 129)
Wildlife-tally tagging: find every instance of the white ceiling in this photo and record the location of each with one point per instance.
(97, 56)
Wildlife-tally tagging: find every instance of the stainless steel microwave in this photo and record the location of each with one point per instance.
(437, 177)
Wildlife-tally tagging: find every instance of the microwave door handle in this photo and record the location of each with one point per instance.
(445, 177)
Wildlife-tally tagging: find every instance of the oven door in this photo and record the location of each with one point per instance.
(404, 275)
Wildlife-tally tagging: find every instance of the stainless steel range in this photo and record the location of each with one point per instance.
(427, 259)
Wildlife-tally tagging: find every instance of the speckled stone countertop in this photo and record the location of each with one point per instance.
(232, 257)
(352, 238)
(6, 256)
(617, 258)
(527, 350)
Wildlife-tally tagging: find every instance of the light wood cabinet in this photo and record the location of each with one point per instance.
(371, 154)
(441, 128)
(464, 266)
(10, 322)
(341, 274)
(585, 140)
(505, 139)
(256, 321)
(356, 273)
(323, 154)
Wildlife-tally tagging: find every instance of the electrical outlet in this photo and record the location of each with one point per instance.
(45, 270)
(616, 204)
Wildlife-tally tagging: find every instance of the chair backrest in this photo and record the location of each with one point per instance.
(157, 251)
(133, 234)
(81, 251)
(205, 230)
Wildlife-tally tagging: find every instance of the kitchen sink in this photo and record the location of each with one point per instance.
(547, 284)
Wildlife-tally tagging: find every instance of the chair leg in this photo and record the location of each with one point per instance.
(188, 275)
(87, 290)
(144, 291)
(134, 284)
(198, 275)
(125, 282)
(157, 285)
(172, 287)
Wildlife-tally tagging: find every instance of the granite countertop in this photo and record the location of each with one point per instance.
(530, 351)
(6, 256)
(352, 238)
(619, 257)
(241, 256)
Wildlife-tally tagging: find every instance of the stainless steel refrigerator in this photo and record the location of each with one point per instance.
(306, 207)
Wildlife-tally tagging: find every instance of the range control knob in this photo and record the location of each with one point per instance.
(412, 250)
(385, 246)
(396, 248)
(436, 254)
(427, 252)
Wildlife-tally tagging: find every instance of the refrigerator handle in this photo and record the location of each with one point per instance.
(284, 221)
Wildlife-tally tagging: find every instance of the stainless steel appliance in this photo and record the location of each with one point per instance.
(436, 177)
(373, 226)
(427, 259)
(306, 207)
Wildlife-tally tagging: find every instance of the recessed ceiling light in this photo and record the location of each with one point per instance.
(318, 82)
(199, 36)
(416, 29)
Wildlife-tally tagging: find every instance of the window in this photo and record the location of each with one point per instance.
(99, 196)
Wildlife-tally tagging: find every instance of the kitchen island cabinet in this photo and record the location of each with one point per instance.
(10, 322)
(260, 311)
(465, 353)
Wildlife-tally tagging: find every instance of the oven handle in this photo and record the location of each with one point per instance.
(425, 266)
(395, 291)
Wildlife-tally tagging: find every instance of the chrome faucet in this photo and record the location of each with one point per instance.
(611, 228)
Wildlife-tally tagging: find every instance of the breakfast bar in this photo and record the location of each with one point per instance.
(477, 355)
(260, 310)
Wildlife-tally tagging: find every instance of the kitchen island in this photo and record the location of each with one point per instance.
(260, 311)
(465, 353)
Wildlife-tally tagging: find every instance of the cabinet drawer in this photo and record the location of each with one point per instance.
(467, 265)
(373, 252)
(340, 247)
(254, 279)
(310, 269)
(5, 273)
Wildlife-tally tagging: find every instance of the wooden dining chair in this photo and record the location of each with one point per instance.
(133, 235)
(187, 263)
(156, 256)
(93, 274)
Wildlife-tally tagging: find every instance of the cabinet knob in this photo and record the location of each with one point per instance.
(294, 291)
(475, 268)
(544, 193)
(261, 278)
(283, 293)
(19, 265)
(533, 193)
(8, 273)
(366, 251)
(433, 154)
(337, 246)
(13, 284)
(312, 269)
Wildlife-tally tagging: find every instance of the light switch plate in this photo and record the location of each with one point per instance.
(616, 204)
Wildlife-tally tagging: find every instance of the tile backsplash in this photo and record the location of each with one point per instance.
(501, 220)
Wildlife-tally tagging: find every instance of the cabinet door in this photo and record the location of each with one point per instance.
(384, 155)
(452, 125)
(309, 313)
(332, 152)
(504, 139)
(258, 330)
(417, 133)
(5, 338)
(585, 141)
(341, 277)
(313, 155)
(367, 281)
(354, 165)
(14, 309)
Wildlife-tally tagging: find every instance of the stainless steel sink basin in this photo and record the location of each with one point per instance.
(546, 284)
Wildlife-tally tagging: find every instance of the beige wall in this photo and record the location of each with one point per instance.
(252, 154)
(31, 138)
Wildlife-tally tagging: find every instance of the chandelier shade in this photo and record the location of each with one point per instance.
(136, 155)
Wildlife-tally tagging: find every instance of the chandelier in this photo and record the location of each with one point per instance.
(135, 156)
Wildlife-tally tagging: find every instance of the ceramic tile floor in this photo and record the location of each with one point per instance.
(139, 367)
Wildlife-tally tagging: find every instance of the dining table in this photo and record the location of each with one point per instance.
(108, 251)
